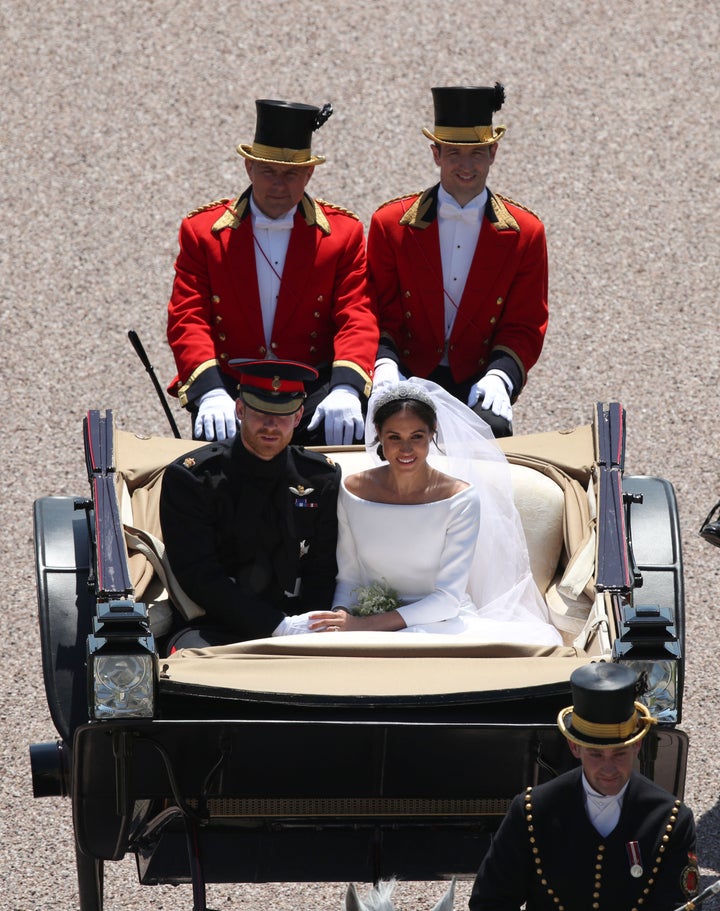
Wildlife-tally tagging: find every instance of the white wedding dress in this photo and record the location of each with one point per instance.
(460, 565)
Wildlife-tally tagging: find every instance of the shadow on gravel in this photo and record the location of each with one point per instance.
(708, 835)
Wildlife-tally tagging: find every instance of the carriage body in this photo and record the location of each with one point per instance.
(216, 767)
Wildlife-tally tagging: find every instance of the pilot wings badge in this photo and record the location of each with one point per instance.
(301, 497)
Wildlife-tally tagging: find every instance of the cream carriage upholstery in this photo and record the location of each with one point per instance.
(554, 500)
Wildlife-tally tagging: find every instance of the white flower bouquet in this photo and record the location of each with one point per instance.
(375, 598)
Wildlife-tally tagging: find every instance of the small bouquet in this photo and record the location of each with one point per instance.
(376, 598)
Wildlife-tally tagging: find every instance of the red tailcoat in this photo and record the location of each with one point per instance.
(324, 314)
(503, 311)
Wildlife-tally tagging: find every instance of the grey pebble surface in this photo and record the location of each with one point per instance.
(117, 119)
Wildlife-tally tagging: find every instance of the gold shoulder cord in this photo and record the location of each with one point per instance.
(210, 205)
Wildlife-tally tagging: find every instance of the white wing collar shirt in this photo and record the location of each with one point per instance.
(603, 811)
(459, 230)
(272, 236)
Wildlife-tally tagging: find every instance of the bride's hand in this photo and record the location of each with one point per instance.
(331, 621)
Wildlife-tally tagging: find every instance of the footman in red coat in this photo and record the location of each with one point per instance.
(274, 273)
(460, 273)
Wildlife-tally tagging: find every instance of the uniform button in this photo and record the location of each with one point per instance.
(313, 349)
(486, 341)
(316, 314)
(222, 337)
(320, 298)
(407, 294)
(313, 335)
(406, 352)
(262, 349)
(224, 356)
(273, 345)
(408, 314)
(499, 302)
(215, 298)
(452, 347)
(481, 362)
(218, 318)
(493, 320)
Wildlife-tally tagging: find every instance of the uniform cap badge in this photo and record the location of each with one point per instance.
(189, 462)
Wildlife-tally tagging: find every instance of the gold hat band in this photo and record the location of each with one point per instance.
(295, 156)
(466, 134)
(619, 731)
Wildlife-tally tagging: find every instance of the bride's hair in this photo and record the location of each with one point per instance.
(404, 396)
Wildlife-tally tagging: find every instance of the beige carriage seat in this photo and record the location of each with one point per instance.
(554, 509)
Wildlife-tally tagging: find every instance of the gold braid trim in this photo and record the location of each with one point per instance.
(332, 205)
(399, 198)
(367, 389)
(415, 215)
(183, 389)
(210, 205)
(314, 215)
(518, 205)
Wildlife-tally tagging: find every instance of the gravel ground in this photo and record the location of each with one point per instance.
(119, 118)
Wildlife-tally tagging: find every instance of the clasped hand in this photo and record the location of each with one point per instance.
(493, 392)
(216, 418)
(315, 622)
(342, 414)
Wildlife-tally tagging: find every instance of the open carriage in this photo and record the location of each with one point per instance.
(209, 767)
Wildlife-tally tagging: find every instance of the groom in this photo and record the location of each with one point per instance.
(250, 524)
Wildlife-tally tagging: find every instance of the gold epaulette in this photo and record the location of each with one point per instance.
(518, 205)
(210, 205)
(399, 198)
(332, 205)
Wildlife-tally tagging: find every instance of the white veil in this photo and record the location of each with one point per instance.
(501, 584)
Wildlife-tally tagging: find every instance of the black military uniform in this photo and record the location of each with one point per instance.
(548, 853)
(252, 540)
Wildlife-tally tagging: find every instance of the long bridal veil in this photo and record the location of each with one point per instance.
(501, 584)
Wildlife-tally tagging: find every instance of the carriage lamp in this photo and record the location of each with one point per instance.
(122, 666)
(659, 687)
(649, 643)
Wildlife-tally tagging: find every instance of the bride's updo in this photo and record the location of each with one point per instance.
(403, 396)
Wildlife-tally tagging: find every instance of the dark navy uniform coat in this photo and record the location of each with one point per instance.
(251, 540)
(547, 853)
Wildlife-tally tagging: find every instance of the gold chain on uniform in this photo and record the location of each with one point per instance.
(598, 860)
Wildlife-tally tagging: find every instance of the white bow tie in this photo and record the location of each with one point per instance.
(275, 224)
(470, 215)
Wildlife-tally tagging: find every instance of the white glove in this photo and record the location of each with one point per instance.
(342, 414)
(216, 416)
(386, 374)
(494, 394)
(294, 625)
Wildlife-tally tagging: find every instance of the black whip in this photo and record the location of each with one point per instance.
(140, 351)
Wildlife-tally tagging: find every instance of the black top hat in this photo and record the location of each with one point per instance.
(283, 132)
(604, 712)
(463, 114)
(273, 387)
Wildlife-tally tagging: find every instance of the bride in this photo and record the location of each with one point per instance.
(429, 540)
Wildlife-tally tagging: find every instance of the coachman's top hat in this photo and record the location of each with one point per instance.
(463, 114)
(273, 387)
(283, 130)
(604, 713)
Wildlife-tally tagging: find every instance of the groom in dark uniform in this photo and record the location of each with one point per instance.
(250, 524)
(601, 836)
